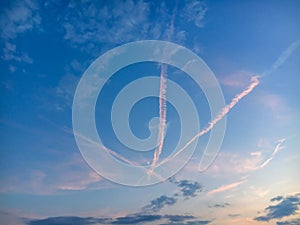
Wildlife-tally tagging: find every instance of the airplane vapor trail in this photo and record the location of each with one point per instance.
(162, 115)
(162, 103)
(255, 81)
(276, 150)
(282, 58)
(223, 113)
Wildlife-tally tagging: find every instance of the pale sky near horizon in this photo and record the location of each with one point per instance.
(46, 46)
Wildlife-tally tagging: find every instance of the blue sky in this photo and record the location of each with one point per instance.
(46, 46)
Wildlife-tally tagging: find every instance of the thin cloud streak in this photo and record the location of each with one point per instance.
(225, 187)
(282, 58)
(276, 150)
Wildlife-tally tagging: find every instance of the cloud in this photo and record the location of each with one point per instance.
(237, 163)
(68, 221)
(220, 205)
(160, 202)
(237, 79)
(117, 22)
(10, 219)
(225, 187)
(286, 207)
(187, 188)
(22, 17)
(194, 11)
(129, 219)
(289, 222)
(10, 53)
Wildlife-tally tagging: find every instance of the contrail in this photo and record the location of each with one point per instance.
(162, 103)
(282, 58)
(223, 113)
(109, 151)
(254, 82)
(162, 115)
(277, 148)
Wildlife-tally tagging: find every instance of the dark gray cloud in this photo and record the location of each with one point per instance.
(234, 215)
(285, 207)
(289, 222)
(129, 219)
(69, 221)
(158, 203)
(187, 188)
(136, 219)
(220, 205)
(193, 222)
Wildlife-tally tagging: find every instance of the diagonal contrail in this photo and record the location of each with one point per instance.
(221, 115)
(255, 81)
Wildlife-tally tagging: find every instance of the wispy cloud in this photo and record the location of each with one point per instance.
(21, 17)
(276, 150)
(118, 22)
(226, 187)
(286, 206)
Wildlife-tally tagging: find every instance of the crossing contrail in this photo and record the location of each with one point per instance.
(254, 82)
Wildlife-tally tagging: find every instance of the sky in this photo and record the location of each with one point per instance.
(252, 48)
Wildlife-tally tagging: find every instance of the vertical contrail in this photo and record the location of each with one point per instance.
(162, 103)
(162, 115)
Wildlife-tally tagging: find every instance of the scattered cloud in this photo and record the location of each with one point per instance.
(10, 53)
(118, 22)
(289, 222)
(129, 219)
(236, 163)
(160, 202)
(21, 17)
(187, 188)
(69, 175)
(286, 206)
(220, 205)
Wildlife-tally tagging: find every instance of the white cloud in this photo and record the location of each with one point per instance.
(10, 53)
(119, 22)
(23, 16)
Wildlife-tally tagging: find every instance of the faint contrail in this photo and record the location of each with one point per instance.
(282, 58)
(109, 151)
(277, 148)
